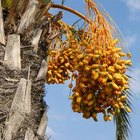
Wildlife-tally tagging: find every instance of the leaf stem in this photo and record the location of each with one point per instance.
(71, 11)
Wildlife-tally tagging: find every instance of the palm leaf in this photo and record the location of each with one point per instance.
(122, 121)
(6, 3)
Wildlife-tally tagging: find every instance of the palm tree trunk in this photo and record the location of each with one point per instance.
(23, 112)
(22, 94)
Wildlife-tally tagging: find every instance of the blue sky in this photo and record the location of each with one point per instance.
(63, 124)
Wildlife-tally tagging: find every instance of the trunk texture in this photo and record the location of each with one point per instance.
(24, 41)
(23, 112)
(22, 109)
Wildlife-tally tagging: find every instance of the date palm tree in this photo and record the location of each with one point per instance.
(27, 32)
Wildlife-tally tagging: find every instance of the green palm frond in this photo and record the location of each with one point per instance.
(6, 3)
(122, 121)
(123, 125)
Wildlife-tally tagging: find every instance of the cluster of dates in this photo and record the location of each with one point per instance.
(101, 82)
(99, 74)
(93, 60)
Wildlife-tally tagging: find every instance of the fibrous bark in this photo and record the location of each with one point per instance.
(23, 66)
(21, 97)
